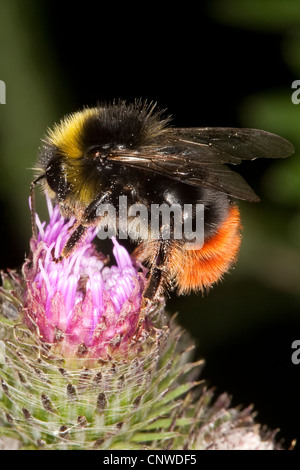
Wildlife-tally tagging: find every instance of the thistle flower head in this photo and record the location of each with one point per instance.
(140, 392)
(80, 304)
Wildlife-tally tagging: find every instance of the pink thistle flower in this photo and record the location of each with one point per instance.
(80, 305)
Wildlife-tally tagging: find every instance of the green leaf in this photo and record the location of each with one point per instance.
(176, 392)
(166, 422)
(162, 409)
(153, 436)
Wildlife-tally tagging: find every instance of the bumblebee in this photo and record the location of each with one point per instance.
(98, 154)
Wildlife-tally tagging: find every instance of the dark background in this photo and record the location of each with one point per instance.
(218, 64)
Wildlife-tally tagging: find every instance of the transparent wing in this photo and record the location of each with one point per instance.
(197, 156)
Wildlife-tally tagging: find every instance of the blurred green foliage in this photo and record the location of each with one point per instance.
(267, 290)
(33, 101)
(263, 15)
(272, 109)
(264, 287)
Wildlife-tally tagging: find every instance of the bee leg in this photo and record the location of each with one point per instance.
(157, 276)
(74, 226)
(157, 279)
(32, 204)
(88, 219)
(74, 239)
(154, 284)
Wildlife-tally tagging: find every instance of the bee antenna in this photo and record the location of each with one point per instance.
(32, 203)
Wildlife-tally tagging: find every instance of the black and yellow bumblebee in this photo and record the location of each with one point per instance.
(97, 154)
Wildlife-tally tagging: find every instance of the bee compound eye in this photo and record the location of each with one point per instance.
(57, 180)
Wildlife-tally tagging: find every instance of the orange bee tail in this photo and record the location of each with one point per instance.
(194, 270)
